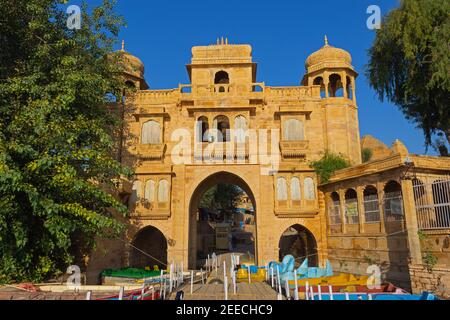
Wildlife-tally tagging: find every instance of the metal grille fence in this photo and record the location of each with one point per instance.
(335, 213)
(393, 206)
(432, 204)
(371, 208)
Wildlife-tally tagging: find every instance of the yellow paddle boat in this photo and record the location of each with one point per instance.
(259, 276)
(342, 279)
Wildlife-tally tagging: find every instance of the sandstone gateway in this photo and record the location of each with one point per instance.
(393, 211)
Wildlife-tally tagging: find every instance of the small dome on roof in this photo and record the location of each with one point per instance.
(133, 65)
(328, 57)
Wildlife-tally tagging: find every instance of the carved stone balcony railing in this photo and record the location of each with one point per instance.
(252, 91)
(294, 149)
(157, 96)
(151, 151)
(222, 150)
(145, 210)
(292, 93)
(296, 209)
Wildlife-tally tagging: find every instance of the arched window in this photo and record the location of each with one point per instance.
(202, 129)
(319, 82)
(335, 86)
(334, 209)
(221, 77)
(222, 125)
(240, 127)
(295, 189)
(293, 130)
(371, 206)
(281, 189)
(351, 207)
(151, 132)
(310, 192)
(441, 199)
(393, 201)
(163, 191)
(149, 195)
(135, 194)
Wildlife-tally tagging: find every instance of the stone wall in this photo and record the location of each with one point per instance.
(355, 253)
(436, 280)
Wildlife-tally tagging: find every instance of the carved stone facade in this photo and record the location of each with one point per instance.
(303, 122)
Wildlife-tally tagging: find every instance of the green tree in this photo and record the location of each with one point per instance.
(56, 140)
(328, 164)
(409, 63)
(366, 154)
(221, 196)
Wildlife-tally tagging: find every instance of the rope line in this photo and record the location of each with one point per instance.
(143, 252)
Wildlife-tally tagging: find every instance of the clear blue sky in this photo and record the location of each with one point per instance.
(282, 33)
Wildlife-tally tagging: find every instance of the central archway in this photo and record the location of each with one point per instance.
(197, 257)
(299, 242)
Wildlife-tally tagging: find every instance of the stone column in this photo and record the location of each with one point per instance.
(344, 84)
(411, 221)
(326, 81)
(380, 189)
(353, 90)
(361, 210)
(342, 209)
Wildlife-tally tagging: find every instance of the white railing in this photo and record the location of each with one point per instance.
(432, 201)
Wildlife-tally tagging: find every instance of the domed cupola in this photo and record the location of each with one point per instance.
(133, 68)
(331, 69)
(328, 57)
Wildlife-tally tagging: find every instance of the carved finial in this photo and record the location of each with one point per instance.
(326, 40)
(123, 45)
(222, 40)
(226, 41)
(218, 41)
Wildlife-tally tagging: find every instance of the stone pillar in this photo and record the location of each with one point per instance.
(411, 221)
(361, 210)
(342, 209)
(326, 81)
(380, 189)
(344, 84)
(353, 90)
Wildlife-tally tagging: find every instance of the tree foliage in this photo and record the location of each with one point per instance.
(409, 63)
(366, 154)
(328, 164)
(55, 136)
(221, 196)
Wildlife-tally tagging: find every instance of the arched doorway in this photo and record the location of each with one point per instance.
(299, 242)
(149, 248)
(221, 229)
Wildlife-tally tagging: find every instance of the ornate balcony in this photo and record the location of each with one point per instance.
(151, 151)
(294, 149)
